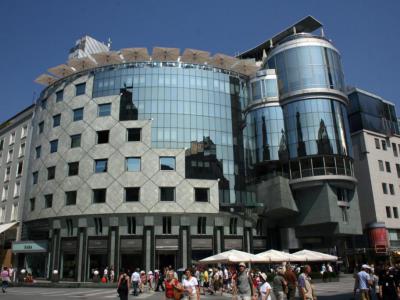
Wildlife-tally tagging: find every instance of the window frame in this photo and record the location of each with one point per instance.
(101, 113)
(133, 158)
(167, 189)
(74, 139)
(167, 157)
(133, 134)
(199, 189)
(96, 161)
(75, 114)
(94, 191)
(132, 188)
(67, 197)
(79, 87)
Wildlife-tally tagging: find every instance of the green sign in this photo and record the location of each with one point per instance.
(29, 246)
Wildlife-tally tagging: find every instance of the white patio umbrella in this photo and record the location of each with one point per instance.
(275, 256)
(222, 61)
(245, 66)
(165, 54)
(135, 54)
(195, 56)
(82, 63)
(45, 79)
(309, 255)
(231, 256)
(61, 70)
(107, 58)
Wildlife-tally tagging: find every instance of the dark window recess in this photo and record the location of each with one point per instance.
(32, 204)
(19, 168)
(70, 198)
(48, 200)
(127, 109)
(384, 145)
(1, 144)
(35, 176)
(384, 188)
(398, 170)
(43, 104)
(131, 225)
(100, 165)
(70, 227)
(80, 89)
(41, 127)
(73, 168)
(388, 167)
(201, 225)
(53, 146)
(167, 225)
(395, 213)
(60, 96)
(102, 136)
(167, 163)
(259, 227)
(132, 194)
(233, 226)
(38, 151)
(394, 148)
(75, 140)
(98, 226)
(56, 120)
(388, 212)
(99, 195)
(201, 194)
(78, 114)
(134, 134)
(391, 189)
(167, 194)
(51, 173)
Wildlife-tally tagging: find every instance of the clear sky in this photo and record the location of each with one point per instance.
(36, 35)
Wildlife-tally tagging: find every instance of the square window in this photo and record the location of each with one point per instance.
(38, 151)
(56, 120)
(167, 163)
(48, 200)
(99, 195)
(35, 176)
(75, 140)
(32, 204)
(167, 194)
(53, 146)
(70, 198)
(80, 89)
(102, 136)
(104, 109)
(100, 165)
(41, 127)
(78, 114)
(132, 194)
(201, 194)
(60, 96)
(73, 168)
(134, 134)
(51, 173)
(133, 164)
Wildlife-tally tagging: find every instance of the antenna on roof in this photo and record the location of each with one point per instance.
(109, 42)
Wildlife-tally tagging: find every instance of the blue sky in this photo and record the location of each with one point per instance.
(36, 35)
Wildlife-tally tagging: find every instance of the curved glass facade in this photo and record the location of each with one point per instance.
(305, 67)
(193, 107)
(316, 127)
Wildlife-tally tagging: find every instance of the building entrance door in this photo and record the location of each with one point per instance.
(165, 259)
(131, 262)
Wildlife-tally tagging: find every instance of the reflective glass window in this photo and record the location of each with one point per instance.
(59, 96)
(104, 110)
(80, 89)
(101, 165)
(133, 164)
(167, 163)
(75, 140)
(53, 146)
(78, 114)
(167, 194)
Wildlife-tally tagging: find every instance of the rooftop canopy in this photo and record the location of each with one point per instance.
(135, 54)
(46, 79)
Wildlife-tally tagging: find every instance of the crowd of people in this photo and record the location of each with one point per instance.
(241, 282)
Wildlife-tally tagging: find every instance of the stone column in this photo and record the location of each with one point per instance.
(113, 245)
(82, 250)
(148, 243)
(55, 247)
(219, 244)
(248, 237)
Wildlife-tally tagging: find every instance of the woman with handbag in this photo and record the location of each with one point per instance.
(173, 288)
(191, 286)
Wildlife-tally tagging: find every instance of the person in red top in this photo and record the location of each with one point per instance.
(171, 283)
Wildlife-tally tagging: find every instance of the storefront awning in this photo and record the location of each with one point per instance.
(5, 227)
(29, 246)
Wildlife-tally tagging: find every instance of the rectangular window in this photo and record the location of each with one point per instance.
(384, 188)
(20, 168)
(167, 194)
(60, 96)
(377, 144)
(48, 201)
(51, 173)
(384, 145)
(395, 213)
(131, 225)
(10, 155)
(345, 217)
(104, 110)
(53, 146)
(32, 204)
(24, 131)
(80, 89)
(398, 170)
(1, 144)
(78, 114)
(73, 168)
(21, 150)
(132, 194)
(56, 120)
(35, 177)
(17, 189)
(167, 225)
(381, 167)
(38, 151)
(201, 225)
(70, 198)
(3, 214)
(43, 104)
(133, 164)
(394, 148)
(76, 140)
(167, 163)
(5, 193)
(7, 175)
(14, 212)
(98, 226)
(391, 189)
(233, 226)
(12, 138)
(41, 127)
(134, 134)
(201, 194)
(388, 167)
(99, 195)
(70, 227)
(388, 212)
(100, 165)
(102, 136)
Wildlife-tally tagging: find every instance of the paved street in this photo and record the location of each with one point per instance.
(327, 291)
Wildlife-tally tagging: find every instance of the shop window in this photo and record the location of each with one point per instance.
(102, 136)
(167, 194)
(167, 225)
(201, 194)
(131, 225)
(99, 195)
(73, 168)
(51, 173)
(201, 225)
(70, 198)
(80, 89)
(101, 165)
(167, 163)
(48, 201)
(132, 194)
(134, 134)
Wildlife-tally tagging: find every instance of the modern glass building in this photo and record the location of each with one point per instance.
(141, 160)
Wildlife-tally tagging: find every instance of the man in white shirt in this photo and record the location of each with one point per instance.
(135, 278)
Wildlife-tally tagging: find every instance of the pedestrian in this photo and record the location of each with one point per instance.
(5, 279)
(363, 283)
(387, 284)
(142, 282)
(323, 272)
(123, 287)
(105, 274)
(112, 274)
(173, 288)
(150, 279)
(191, 286)
(265, 288)
(291, 280)
(135, 279)
(279, 284)
(244, 284)
(306, 289)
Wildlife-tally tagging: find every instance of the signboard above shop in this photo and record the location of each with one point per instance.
(29, 246)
